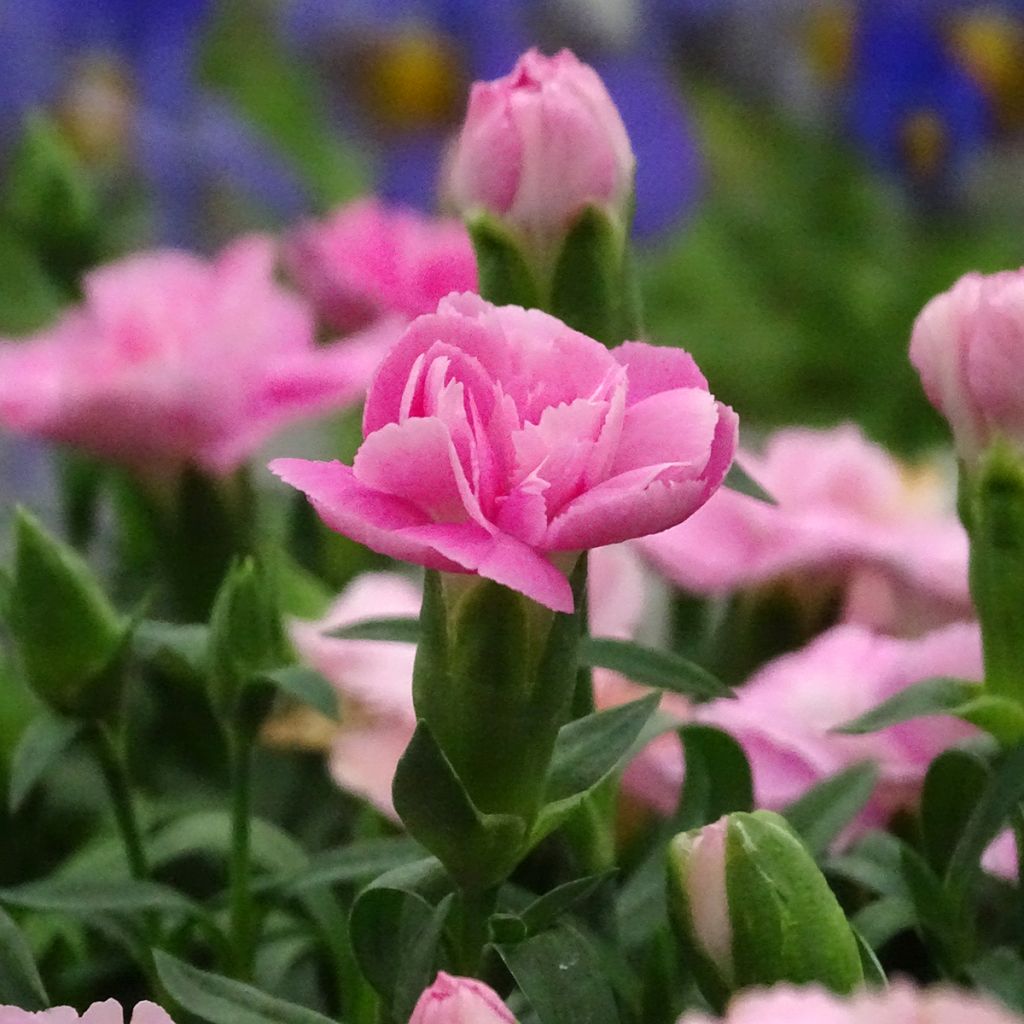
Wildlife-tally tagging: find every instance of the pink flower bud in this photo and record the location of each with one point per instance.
(452, 1000)
(968, 347)
(541, 144)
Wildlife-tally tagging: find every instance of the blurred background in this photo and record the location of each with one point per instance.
(810, 172)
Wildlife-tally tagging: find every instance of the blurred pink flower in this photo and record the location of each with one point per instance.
(968, 346)
(902, 1003)
(540, 145)
(848, 518)
(495, 437)
(454, 1000)
(374, 679)
(368, 260)
(172, 359)
(784, 717)
(108, 1012)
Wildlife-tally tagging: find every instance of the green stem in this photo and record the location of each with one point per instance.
(241, 907)
(472, 929)
(110, 755)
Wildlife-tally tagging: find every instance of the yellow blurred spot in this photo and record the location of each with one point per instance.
(96, 109)
(830, 42)
(990, 46)
(412, 78)
(925, 144)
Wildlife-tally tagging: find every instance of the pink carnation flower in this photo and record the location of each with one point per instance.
(901, 1003)
(454, 1000)
(539, 145)
(367, 260)
(784, 717)
(374, 679)
(496, 438)
(108, 1012)
(848, 517)
(172, 359)
(968, 347)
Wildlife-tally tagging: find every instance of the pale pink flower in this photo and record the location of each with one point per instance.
(173, 359)
(454, 1000)
(902, 1003)
(496, 438)
(968, 346)
(367, 260)
(540, 145)
(107, 1012)
(785, 715)
(374, 679)
(849, 519)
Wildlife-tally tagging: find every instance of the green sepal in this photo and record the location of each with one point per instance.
(71, 642)
(588, 287)
(246, 642)
(493, 679)
(787, 925)
(478, 849)
(992, 499)
(504, 274)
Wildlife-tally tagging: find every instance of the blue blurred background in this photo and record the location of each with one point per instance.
(809, 172)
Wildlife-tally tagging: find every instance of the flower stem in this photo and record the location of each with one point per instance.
(241, 912)
(110, 755)
(472, 929)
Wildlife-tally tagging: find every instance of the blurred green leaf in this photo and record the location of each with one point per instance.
(827, 808)
(663, 669)
(717, 779)
(45, 739)
(20, 984)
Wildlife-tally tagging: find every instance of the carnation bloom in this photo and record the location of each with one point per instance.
(454, 1000)
(539, 145)
(901, 1003)
(785, 715)
(496, 438)
(374, 678)
(848, 518)
(367, 260)
(968, 346)
(107, 1012)
(172, 359)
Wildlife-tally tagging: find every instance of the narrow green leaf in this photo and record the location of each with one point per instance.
(221, 1000)
(20, 984)
(874, 863)
(356, 862)
(717, 781)
(306, 686)
(420, 962)
(939, 696)
(992, 811)
(1000, 973)
(586, 752)
(739, 480)
(82, 898)
(952, 789)
(826, 809)
(399, 630)
(883, 920)
(562, 977)
(43, 742)
(940, 913)
(874, 974)
(544, 910)
(663, 669)
(174, 648)
(478, 849)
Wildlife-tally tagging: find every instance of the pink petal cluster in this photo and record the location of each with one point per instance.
(901, 1003)
(968, 346)
(539, 145)
(173, 359)
(368, 260)
(454, 1000)
(374, 678)
(848, 518)
(107, 1012)
(496, 438)
(784, 717)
